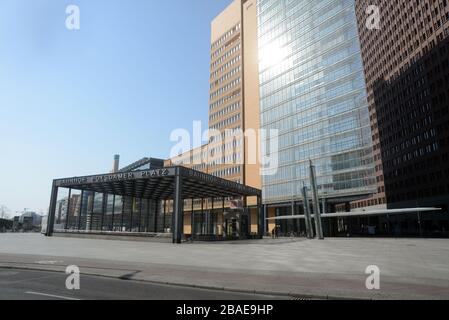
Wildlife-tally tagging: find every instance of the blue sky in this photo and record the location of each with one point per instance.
(70, 100)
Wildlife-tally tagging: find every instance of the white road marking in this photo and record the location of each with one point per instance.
(50, 295)
(50, 262)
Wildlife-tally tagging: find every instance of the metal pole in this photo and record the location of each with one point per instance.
(307, 218)
(316, 205)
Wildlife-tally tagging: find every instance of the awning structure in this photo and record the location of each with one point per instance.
(367, 213)
(172, 183)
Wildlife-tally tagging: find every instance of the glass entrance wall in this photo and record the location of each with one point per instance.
(108, 215)
(74, 208)
(86, 211)
(118, 216)
(97, 212)
(61, 209)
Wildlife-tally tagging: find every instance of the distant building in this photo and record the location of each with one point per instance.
(28, 221)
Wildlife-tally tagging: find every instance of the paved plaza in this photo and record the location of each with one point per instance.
(333, 268)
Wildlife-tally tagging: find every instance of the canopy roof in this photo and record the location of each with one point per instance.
(159, 184)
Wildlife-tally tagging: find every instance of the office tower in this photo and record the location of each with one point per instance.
(233, 105)
(234, 97)
(406, 69)
(313, 91)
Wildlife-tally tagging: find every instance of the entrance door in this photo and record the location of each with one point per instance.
(232, 230)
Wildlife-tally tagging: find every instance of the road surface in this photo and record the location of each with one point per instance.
(43, 285)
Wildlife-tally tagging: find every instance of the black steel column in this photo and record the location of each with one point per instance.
(92, 211)
(132, 212)
(81, 210)
(156, 212)
(202, 216)
(192, 221)
(211, 214)
(222, 216)
(103, 210)
(260, 228)
(140, 215)
(248, 211)
(165, 213)
(177, 208)
(149, 212)
(123, 213)
(265, 216)
(68, 210)
(52, 210)
(113, 213)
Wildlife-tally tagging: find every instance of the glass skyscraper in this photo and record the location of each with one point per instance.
(313, 91)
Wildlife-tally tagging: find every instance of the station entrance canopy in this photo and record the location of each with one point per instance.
(172, 183)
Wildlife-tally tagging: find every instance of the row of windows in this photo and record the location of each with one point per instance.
(225, 88)
(235, 158)
(224, 67)
(224, 78)
(224, 111)
(324, 167)
(226, 122)
(234, 95)
(308, 49)
(224, 57)
(325, 92)
(228, 34)
(224, 135)
(223, 48)
(227, 172)
(224, 147)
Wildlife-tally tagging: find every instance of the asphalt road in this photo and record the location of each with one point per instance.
(16, 284)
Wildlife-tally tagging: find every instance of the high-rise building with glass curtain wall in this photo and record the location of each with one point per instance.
(312, 89)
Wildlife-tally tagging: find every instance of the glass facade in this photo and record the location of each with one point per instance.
(313, 91)
(93, 211)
